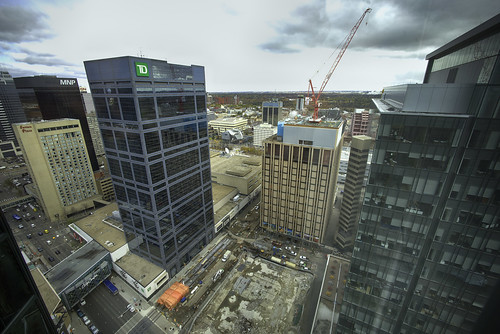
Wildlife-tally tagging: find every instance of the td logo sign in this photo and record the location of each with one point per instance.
(141, 69)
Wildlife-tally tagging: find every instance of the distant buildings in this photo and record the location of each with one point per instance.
(11, 111)
(59, 164)
(152, 117)
(262, 132)
(272, 112)
(49, 97)
(299, 178)
(426, 257)
(219, 125)
(299, 105)
(353, 190)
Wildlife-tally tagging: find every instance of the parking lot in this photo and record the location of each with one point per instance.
(43, 242)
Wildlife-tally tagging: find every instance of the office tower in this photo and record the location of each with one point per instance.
(300, 177)
(59, 164)
(48, 97)
(262, 132)
(11, 110)
(22, 308)
(426, 256)
(271, 112)
(299, 105)
(361, 122)
(95, 132)
(353, 190)
(152, 116)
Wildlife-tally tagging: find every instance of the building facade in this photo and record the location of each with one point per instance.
(48, 97)
(11, 110)
(152, 117)
(272, 112)
(299, 178)
(361, 122)
(353, 190)
(23, 309)
(95, 132)
(59, 164)
(262, 132)
(426, 257)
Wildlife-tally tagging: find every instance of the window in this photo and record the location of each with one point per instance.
(147, 108)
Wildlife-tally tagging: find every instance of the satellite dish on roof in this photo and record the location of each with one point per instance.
(227, 150)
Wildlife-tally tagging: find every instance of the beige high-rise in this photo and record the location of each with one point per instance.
(353, 189)
(59, 164)
(299, 178)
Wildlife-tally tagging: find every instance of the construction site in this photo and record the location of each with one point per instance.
(234, 288)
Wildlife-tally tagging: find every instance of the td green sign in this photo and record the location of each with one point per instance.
(141, 69)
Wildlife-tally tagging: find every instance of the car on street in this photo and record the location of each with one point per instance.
(86, 320)
(80, 313)
(93, 329)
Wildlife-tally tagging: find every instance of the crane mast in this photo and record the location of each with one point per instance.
(315, 96)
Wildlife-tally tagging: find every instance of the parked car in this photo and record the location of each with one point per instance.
(28, 236)
(302, 257)
(57, 251)
(51, 259)
(93, 329)
(40, 233)
(20, 226)
(40, 249)
(86, 320)
(80, 313)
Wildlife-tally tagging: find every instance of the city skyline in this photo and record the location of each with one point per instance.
(238, 42)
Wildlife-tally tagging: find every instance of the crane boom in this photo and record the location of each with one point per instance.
(315, 97)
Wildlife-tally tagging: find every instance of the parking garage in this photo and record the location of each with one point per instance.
(80, 273)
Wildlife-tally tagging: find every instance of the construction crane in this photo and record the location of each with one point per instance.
(315, 96)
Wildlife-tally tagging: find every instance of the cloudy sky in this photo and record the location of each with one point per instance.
(245, 45)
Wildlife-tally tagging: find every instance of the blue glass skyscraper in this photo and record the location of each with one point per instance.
(152, 117)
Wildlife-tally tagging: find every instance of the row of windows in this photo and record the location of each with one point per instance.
(150, 108)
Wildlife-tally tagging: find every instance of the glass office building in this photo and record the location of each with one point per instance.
(11, 110)
(152, 117)
(426, 257)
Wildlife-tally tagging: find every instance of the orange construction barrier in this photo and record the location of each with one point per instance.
(173, 295)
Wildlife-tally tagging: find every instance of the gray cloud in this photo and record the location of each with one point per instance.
(404, 25)
(21, 24)
(277, 47)
(43, 60)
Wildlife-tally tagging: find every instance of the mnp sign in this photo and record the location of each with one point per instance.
(141, 69)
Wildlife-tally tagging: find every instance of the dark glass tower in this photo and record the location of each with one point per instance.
(152, 117)
(48, 97)
(427, 253)
(22, 309)
(11, 110)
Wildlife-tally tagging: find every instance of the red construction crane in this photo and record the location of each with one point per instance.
(315, 96)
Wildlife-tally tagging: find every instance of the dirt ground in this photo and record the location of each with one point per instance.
(258, 296)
